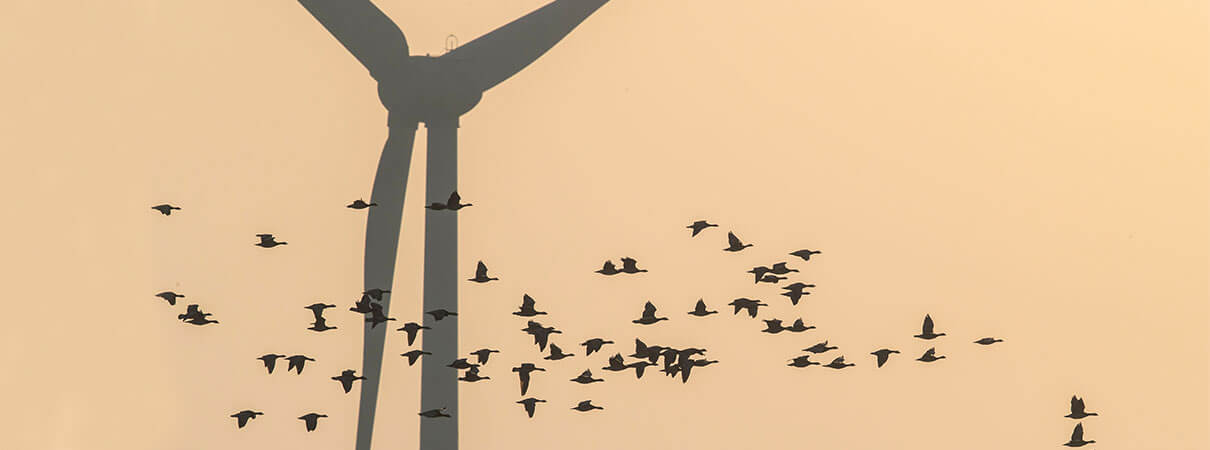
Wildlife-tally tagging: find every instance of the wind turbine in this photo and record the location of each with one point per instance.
(436, 91)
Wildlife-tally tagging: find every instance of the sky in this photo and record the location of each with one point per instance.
(1033, 170)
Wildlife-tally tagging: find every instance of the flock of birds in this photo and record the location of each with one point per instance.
(676, 361)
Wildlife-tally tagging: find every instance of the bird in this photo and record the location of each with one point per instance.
(540, 333)
(759, 272)
(798, 327)
(773, 279)
(242, 417)
(795, 291)
(838, 363)
(642, 350)
(746, 303)
(483, 353)
(472, 375)
(802, 361)
(586, 406)
(347, 378)
(318, 309)
(648, 317)
(1077, 409)
(608, 269)
(412, 328)
(268, 241)
(527, 307)
(200, 321)
(376, 293)
(556, 353)
(377, 316)
(629, 265)
(615, 363)
(781, 269)
(193, 312)
(593, 345)
(481, 274)
(1077, 437)
(439, 314)
(700, 309)
(638, 367)
(453, 204)
(270, 360)
(819, 348)
(170, 297)
(773, 326)
(462, 364)
(523, 372)
(883, 355)
(988, 341)
(736, 245)
(165, 209)
(698, 226)
(926, 330)
(360, 204)
(530, 404)
(364, 306)
(586, 378)
(297, 362)
(930, 355)
(434, 413)
(414, 355)
(320, 325)
(804, 254)
(311, 419)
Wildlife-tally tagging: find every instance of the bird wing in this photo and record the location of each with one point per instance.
(529, 408)
(242, 419)
(527, 302)
(1077, 405)
(927, 327)
(649, 310)
(481, 270)
(524, 376)
(882, 357)
(541, 339)
(930, 352)
(752, 309)
(1077, 434)
(608, 266)
(734, 241)
(454, 199)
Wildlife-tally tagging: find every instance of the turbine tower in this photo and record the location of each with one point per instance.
(435, 91)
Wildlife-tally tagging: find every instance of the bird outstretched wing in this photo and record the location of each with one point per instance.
(927, 327)
(734, 241)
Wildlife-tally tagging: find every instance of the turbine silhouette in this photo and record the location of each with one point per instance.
(435, 91)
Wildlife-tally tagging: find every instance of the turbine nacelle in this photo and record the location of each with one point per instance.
(430, 89)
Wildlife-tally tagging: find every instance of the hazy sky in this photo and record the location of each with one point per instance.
(1031, 170)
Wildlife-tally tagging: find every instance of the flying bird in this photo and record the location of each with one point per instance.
(594, 345)
(745, 303)
(472, 375)
(192, 312)
(781, 269)
(347, 378)
(759, 272)
(165, 209)
(882, 355)
(311, 420)
(364, 306)
(170, 297)
(242, 417)
(616, 363)
(930, 355)
(318, 309)
(540, 333)
(523, 372)
(795, 291)
(556, 353)
(268, 241)
(838, 363)
(988, 341)
(1077, 409)
(772, 279)
(819, 348)
(412, 329)
(434, 413)
(608, 269)
(481, 274)
(802, 361)
(462, 364)
(773, 326)
(414, 355)
(586, 378)
(439, 314)
(530, 404)
(586, 406)
(698, 226)
(798, 327)
(527, 307)
(270, 360)
(926, 330)
(1077, 437)
(804, 254)
(700, 309)
(736, 244)
(297, 362)
(360, 204)
(453, 204)
(483, 353)
(648, 317)
(629, 265)
(320, 325)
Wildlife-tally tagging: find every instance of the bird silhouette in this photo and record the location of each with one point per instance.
(347, 378)
(698, 226)
(320, 325)
(804, 254)
(472, 375)
(642, 350)
(268, 241)
(192, 312)
(700, 309)
(798, 326)
(648, 317)
(926, 330)
(360, 204)
(802, 361)
(412, 329)
(795, 291)
(639, 366)
(244, 416)
(530, 405)
(586, 406)
(746, 303)
(297, 362)
(556, 353)
(586, 378)
(1077, 409)
(434, 413)
(838, 363)
(781, 269)
(523, 372)
(439, 314)
(540, 333)
(165, 209)
(608, 269)
(170, 297)
(930, 355)
(414, 355)
(819, 348)
(453, 204)
(481, 274)
(318, 309)
(771, 279)
(377, 316)
(527, 307)
(883, 355)
(593, 345)
(311, 420)
(483, 353)
(1077, 437)
(376, 293)
(462, 364)
(364, 306)
(759, 272)
(200, 321)
(629, 265)
(988, 341)
(616, 363)
(270, 360)
(773, 326)
(736, 244)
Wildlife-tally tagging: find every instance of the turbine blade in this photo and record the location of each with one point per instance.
(494, 57)
(366, 32)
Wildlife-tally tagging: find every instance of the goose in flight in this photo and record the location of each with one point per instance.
(638, 367)
(926, 329)
(244, 416)
(318, 309)
(773, 326)
(594, 345)
(360, 204)
(165, 209)
(1077, 409)
(608, 269)
(629, 265)
(530, 404)
(414, 355)
(771, 279)
(616, 363)
(268, 241)
(700, 309)
(170, 297)
(1077, 437)
(781, 269)
(311, 420)
(462, 364)
(988, 341)
(586, 406)
(540, 333)
(523, 372)
(795, 291)
(798, 326)
(736, 244)
(699, 226)
(759, 272)
(297, 362)
(930, 355)
(434, 413)
(347, 378)
(320, 325)
(193, 312)
(439, 314)
(453, 204)
(472, 375)
(749, 304)
(364, 306)
(838, 363)
(481, 274)
(882, 355)
(802, 361)
(527, 307)
(648, 317)
(412, 329)
(483, 353)
(819, 348)
(377, 316)
(376, 293)
(804, 254)
(556, 353)
(270, 360)
(586, 378)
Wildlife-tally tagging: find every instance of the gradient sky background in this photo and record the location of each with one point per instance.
(1032, 170)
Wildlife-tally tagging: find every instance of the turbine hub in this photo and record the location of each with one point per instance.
(431, 89)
